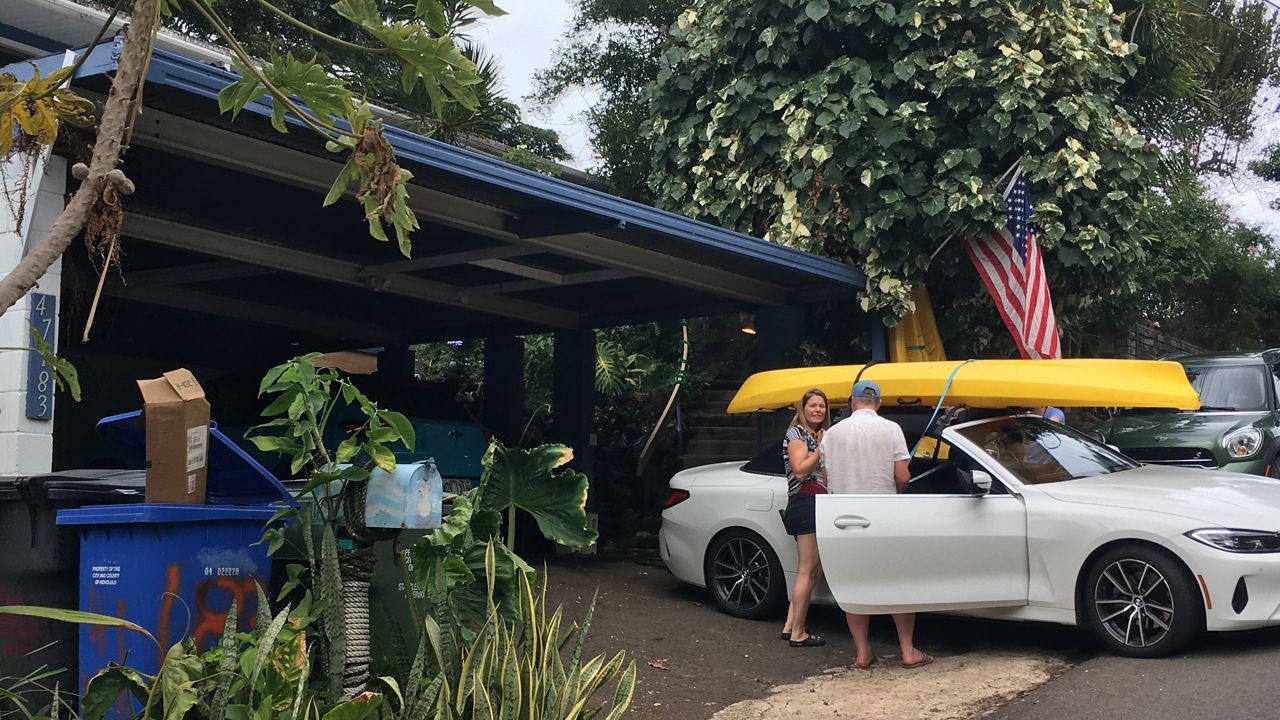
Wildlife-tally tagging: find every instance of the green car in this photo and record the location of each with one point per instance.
(1237, 427)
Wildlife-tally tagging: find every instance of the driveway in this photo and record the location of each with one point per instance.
(695, 661)
(1228, 677)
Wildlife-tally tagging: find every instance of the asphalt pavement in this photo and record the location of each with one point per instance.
(1232, 676)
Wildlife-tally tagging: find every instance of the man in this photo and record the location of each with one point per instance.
(867, 454)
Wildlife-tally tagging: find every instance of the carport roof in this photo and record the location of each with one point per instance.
(502, 249)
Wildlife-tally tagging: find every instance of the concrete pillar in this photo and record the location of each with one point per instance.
(879, 338)
(573, 395)
(26, 444)
(503, 411)
(779, 331)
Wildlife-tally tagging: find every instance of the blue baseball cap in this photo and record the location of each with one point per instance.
(866, 390)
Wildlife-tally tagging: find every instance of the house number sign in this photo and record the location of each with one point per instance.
(40, 383)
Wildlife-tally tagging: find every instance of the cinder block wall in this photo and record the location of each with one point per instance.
(1146, 342)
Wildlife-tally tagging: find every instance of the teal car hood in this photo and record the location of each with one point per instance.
(1188, 429)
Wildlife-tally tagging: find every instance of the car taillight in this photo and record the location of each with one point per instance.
(675, 497)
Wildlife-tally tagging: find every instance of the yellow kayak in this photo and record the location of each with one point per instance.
(1085, 382)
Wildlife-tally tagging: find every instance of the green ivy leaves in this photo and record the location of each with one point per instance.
(886, 132)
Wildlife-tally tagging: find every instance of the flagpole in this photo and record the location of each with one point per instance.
(1005, 195)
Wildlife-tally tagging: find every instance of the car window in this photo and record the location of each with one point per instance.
(1037, 451)
(766, 462)
(1232, 387)
(1275, 378)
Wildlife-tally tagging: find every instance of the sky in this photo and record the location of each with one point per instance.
(526, 38)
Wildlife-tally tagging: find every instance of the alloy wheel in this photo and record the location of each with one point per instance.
(1134, 603)
(740, 571)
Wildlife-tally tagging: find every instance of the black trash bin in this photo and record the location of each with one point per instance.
(39, 562)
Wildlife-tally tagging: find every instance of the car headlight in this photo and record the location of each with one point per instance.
(1238, 541)
(1242, 443)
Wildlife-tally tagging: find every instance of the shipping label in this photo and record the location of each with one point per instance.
(197, 447)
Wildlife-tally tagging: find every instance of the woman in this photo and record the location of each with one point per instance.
(802, 460)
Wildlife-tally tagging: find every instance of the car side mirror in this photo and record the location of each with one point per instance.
(982, 481)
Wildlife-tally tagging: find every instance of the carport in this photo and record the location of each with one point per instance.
(230, 261)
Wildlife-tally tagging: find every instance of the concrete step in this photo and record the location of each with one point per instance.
(719, 420)
(689, 460)
(707, 405)
(741, 449)
(721, 432)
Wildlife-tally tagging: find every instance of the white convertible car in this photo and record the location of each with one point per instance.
(1009, 517)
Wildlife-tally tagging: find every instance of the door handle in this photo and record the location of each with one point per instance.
(845, 522)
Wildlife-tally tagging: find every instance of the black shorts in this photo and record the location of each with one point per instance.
(799, 518)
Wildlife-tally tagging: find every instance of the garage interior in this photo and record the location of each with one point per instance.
(230, 264)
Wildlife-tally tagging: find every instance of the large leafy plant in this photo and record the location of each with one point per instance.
(876, 131)
(515, 669)
(246, 676)
(450, 561)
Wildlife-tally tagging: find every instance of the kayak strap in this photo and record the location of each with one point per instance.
(941, 399)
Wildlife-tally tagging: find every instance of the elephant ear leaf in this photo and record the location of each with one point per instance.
(528, 480)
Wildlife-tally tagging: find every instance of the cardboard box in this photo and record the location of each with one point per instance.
(177, 418)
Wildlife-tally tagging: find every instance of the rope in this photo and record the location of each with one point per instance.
(357, 568)
(941, 399)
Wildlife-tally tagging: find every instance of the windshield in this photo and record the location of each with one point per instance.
(1038, 451)
(1238, 387)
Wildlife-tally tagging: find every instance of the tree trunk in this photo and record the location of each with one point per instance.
(138, 41)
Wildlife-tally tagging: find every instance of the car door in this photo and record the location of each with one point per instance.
(920, 553)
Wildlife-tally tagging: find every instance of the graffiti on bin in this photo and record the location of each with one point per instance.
(201, 608)
(213, 597)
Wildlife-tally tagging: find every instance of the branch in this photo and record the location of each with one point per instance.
(320, 33)
(324, 129)
(138, 42)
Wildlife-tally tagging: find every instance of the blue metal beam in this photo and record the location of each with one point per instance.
(203, 80)
(102, 59)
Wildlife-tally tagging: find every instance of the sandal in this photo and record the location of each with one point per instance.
(925, 659)
(784, 635)
(873, 661)
(809, 641)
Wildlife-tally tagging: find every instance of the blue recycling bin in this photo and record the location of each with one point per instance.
(173, 569)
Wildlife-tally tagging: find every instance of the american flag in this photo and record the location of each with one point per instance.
(1009, 261)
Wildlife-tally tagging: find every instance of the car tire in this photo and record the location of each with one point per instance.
(1142, 602)
(744, 575)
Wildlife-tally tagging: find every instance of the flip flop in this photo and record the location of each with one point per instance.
(925, 660)
(784, 635)
(873, 661)
(808, 641)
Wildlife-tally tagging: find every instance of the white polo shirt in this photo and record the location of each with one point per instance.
(859, 453)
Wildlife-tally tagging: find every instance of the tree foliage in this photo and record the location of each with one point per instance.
(262, 31)
(613, 47)
(1213, 281)
(874, 132)
(1203, 64)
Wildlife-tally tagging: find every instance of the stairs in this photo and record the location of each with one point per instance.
(713, 435)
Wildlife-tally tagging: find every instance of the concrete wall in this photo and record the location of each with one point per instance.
(26, 445)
